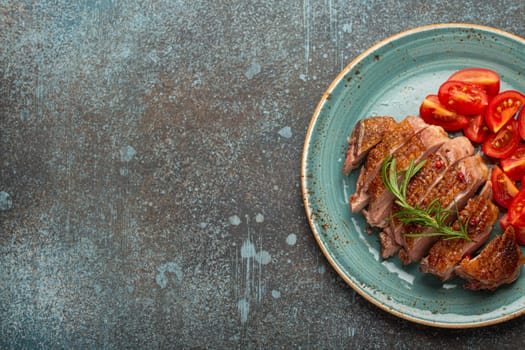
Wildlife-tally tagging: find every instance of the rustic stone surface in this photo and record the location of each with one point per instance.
(149, 169)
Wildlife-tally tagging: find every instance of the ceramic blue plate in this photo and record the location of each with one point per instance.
(392, 78)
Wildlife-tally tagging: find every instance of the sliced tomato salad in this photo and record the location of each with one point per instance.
(502, 108)
(503, 188)
(504, 143)
(462, 97)
(477, 130)
(514, 166)
(434, 112)
(470, 100)
(488, 79)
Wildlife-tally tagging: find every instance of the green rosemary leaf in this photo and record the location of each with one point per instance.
(434, 217)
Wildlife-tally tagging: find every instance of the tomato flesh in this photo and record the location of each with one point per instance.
(486, 78)
(434, 112)
(521, 123)
(462, 97)
(476, 130)
(517, 209)
(502, 108)
(514, 166)
(503, 188)
(503, 143)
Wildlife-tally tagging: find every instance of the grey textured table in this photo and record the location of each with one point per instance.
(150, 174)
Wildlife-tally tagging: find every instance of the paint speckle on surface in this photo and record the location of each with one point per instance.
(248, 249)
(259, 218)
(234, 220)
(243, 307)
(203, 225)
(124, 171)
(263, 257)
(253, 70)
(172, 267)
(6, 202)
(286, 132)
(291, 239)
(276, 294)
(127, 153)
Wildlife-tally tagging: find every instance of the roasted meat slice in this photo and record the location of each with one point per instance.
(392, 140)
(420, 146)
(479, 216)
(498, 263)
(366, 134)
(435, 167)
(457, 186)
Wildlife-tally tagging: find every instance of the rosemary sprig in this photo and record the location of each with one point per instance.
(434, 216)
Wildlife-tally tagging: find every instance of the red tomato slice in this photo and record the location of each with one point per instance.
(502, 108)
(521, 123)
(514, 166)
(517, 210)
(433, 112)
(503, 188)
(519, 231)
(462, 97)
(476, 130)
(503, 143)
(488, 79)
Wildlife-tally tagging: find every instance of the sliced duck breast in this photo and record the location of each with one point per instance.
(420, 146)
(479, 216)
(498, 263)
(435, 167)
(457, 186)
(392, 140)
(367, 133)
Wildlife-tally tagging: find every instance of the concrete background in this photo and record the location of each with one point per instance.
(150, 174)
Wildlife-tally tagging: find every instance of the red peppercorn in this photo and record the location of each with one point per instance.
(473, 221)
(461, 177)
(439, 164)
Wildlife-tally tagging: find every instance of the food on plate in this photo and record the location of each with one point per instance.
(421, 144)
(488, 79)
(502, 108)
(437, 164)
(433, 198)
(498, 263)
(393, 138)
(434, 112)
(503, 188)
(462, 97)
(504, 142)
(366, 134)
(479, 216)
(457, 186)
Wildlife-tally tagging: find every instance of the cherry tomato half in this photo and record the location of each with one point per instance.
(433, 112)
(476, 130)
(488, 79)
(503, 188)
(519, 231)
(462, 97)
(503, 143)
(502, 108)
(521, 123)
(514, 166)
(517, 210)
